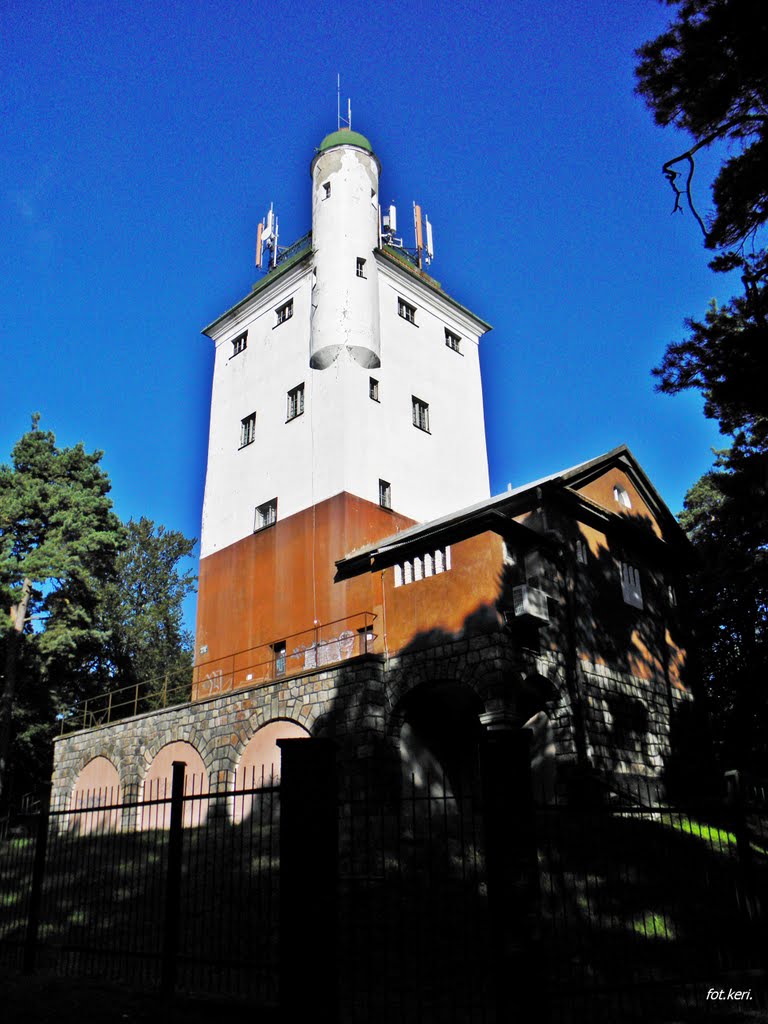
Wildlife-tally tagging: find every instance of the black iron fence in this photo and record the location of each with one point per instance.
(163, 892)
(648, 908)
(413, 911)
(363, 896)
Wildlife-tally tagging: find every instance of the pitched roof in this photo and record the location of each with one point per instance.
(490, 511)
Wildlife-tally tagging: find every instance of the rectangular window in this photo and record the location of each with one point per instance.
(630, 585)
(295, 402)
(373, 388)
(266, 515)
(453, 341)
(247, 430)
(385, 494)
(360, 267)
(420, 413)
(279, 653)
(365, 639)
(581, 551)
(327, 190)
(240, 343)
(285, 312)
(406, 311)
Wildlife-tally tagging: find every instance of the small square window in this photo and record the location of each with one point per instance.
(295, 402)
(420, 414)
(247, 430)
(385, 494)
(453, 341)
(278, 650)
(285, 312)
(266, 515)
(240, 343)
(373, 389)
(360, 267)
(406, 311)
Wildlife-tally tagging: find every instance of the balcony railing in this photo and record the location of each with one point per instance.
(321, 645)
(326, 644)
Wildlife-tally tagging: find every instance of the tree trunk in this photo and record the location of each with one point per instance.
(17, 616)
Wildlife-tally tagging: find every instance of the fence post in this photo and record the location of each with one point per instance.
(36, 891)
(511, 859)
(308, 880)
(734, 787)
(173, 881)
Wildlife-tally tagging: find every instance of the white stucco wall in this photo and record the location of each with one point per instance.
(345, 313)
(344, 441)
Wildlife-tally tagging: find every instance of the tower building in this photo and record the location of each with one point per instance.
(346, 406)
(358, 580)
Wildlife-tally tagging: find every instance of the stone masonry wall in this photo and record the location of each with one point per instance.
(358, 703)
(627, 720)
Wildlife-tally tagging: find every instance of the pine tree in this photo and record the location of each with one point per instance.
(58, 541)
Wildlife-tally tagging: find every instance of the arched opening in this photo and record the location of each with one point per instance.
(535, 700)
(259, 764)
(440, 736)
(96, 786)
(156, 790)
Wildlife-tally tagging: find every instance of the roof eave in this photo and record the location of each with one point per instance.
(274, 275)
(433, 286)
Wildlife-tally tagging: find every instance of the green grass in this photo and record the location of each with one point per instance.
(653, 926)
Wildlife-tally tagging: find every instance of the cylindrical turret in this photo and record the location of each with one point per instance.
(345, 232)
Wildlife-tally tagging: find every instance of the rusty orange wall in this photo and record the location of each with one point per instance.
(445, 601)
(600, 491)
(276, 582)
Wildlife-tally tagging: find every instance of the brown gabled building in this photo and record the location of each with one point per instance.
(341, 593)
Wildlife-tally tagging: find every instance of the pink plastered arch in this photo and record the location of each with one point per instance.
(157, 787)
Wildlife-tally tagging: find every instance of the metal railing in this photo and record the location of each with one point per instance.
(323, 644)
(296, 247)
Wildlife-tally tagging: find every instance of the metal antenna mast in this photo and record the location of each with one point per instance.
(339, 119)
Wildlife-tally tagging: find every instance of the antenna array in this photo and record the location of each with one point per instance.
(266, 241)
(424, 251)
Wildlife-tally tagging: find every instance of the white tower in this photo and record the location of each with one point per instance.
(346, 371)
(345, 233)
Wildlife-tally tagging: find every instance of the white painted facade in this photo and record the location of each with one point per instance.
(343, 440)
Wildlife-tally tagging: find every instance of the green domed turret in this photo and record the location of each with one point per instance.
(345, 137)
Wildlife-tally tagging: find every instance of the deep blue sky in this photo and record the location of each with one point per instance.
(144, 141)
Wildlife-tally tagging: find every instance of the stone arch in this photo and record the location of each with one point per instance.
(97, 785)
(259, 763)
(407, 678)
(156, 786)
(495, 680)
(199, 739)
(538, 693)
